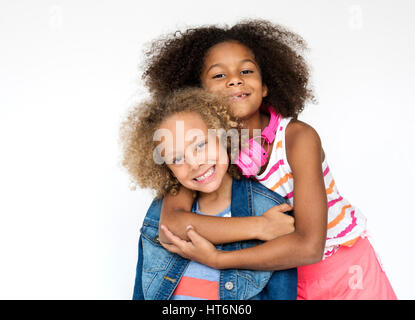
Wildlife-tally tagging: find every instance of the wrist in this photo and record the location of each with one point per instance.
(227, 259)
(218, 260)
(258, 228)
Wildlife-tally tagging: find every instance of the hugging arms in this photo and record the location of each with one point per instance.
(303, 246)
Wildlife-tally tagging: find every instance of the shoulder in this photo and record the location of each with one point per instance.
(152, 216)
(302, 141)
(298, 130)
(261, 193)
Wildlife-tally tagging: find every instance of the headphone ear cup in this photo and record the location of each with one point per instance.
(251, 159)
(246, 164)
(264, 156)
(258, 153)
(255, 152)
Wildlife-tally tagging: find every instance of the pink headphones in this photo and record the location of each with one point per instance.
(252, 158)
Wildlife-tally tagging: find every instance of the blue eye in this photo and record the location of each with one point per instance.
(201, 145)
(178, 160)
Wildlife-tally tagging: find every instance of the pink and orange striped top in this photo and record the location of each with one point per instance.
(345, 222)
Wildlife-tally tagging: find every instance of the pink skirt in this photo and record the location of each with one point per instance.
(351, 273)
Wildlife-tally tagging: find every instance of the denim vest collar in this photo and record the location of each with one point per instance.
(241, 205)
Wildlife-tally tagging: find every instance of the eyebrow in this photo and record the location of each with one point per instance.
(221, 64)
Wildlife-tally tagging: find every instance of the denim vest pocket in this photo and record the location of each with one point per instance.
(156, 258)
(253, 282)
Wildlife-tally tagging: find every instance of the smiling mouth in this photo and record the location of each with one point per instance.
(240, 96)
(206, 175)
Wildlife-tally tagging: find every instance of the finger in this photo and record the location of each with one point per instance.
(170, 247)
(174, 249)
(193, 235)
(285, 207)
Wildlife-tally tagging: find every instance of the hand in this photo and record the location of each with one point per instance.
(197, 249)
(276, 223)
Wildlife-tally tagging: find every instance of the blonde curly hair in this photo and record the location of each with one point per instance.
(142, 121)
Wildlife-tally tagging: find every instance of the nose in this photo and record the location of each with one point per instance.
(194, 165)
(235, 81)
(196, 159)
(193, 161)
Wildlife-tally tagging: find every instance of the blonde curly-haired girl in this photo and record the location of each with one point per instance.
(139, 129)
(182, 140)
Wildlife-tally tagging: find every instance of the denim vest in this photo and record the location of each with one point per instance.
(159, 271)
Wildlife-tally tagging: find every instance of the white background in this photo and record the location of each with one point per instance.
(70, 69)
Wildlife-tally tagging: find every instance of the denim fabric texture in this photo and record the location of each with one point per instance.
(159, 271)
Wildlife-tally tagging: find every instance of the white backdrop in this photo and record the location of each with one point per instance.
(69, 71)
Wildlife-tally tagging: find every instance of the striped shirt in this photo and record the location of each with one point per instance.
(199, 282)
(345, 222)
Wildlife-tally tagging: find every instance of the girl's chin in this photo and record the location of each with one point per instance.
(243, 114)
(209, 187)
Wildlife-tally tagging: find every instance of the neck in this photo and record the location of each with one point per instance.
(224, 192)
(258, 120)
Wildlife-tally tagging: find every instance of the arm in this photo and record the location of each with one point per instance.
(306, 244)
(176, 215)
(303, 246)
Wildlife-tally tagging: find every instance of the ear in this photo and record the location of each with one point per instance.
(264, 90)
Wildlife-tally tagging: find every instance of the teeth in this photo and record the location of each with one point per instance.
(207, 174)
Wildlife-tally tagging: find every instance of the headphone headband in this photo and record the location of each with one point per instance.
(270, 130)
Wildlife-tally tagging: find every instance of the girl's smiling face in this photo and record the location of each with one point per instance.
(230, 68)
(194, 155)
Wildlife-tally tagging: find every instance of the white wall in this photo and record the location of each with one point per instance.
(69, 71)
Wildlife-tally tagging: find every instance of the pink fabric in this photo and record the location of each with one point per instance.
(352, 273)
